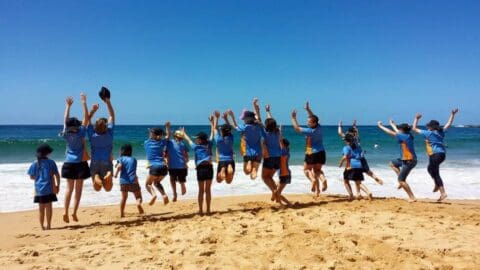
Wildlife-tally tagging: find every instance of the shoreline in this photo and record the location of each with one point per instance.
(328, 233)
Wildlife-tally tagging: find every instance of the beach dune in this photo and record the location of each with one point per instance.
(250, 232)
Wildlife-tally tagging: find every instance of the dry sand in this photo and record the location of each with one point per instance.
(250, 232)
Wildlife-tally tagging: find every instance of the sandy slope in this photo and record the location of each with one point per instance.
(250, 232)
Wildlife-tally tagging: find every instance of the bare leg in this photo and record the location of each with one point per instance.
(138, 197)
(407, 189)
(97, 182)
(443, 194)
(229, 175)
(357, 187)
(68, 196)
(397, 171)
(376, 178)
(150, 189)
(208, 194)
(108, 181)
(41, 214)
(78, 196)
(348, 188)
(279, 197)
(183, 187)
(174, 189)
(254, 173)
(365, 189)
(307, 170)
(267, 175)
(319, 175)
(201, 191)
(221, 175)
(48, 210)
(122, 203)
(160, 188)
(247, 167)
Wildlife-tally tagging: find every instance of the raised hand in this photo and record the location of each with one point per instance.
(69, 101)
(340, 123)
(216, 114)
(307, 106)
(225, 115)
(210, 118)
(83, 97)
(391, 122)
(379, 123)
(267, 108)
(230, 112)
(95, 107)
(294, 114)
(454, 111)
(255, 102)
(418, 116)
(167, 125)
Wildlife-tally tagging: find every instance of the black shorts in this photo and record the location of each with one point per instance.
(316, 158)
(271, 163)
(204, 172)
(45, 198)
(101, 168)
(135, 187)
(75, 170)
(178, 175)
(365, 166)
(224, 164)
(252, 158)
(156, 170)
(353, 175)
(286, 179)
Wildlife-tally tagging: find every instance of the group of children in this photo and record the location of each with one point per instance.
(167, 153)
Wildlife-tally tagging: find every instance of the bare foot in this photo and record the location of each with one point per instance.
(370, 196)
(140, 209)
(229, 169)
(313, 187)
(359, 197)
(399, 186)
(66, 219)
(174, 199)
(152, 200)
(350, 198)
(184, 189)
(75, 218)
(379, 181)
(165, 200)
(442, 197)
(200, 213)
(48, 227)
(274, 197)
(122, 215)
(222, 174)
(253, 175)
(324, 185)
(411, 200)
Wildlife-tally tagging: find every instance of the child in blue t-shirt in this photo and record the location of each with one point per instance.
(155, 148)
(203, 162)
(223, 138)
(44, 172)
(127, 167)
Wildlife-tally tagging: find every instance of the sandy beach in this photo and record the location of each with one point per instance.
(250, 232)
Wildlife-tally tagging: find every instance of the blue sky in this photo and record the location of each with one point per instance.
(179, 60)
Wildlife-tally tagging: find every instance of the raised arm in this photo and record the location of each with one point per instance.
(269, 113)
(66, 115)
(111, 112)
(92, 112)
(186, 137)
(85, 121)
(234, 122)
(415, 123)
(307, 108)
(354, 126)
(450, 119)
(386, 130)
(211, 119)
(256, 108)
(393, 125)
(225, 118)
(295, 124)
(168, 130)
(216, 115)
(340, 130)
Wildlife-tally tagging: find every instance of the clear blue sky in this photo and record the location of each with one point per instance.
(179, 60)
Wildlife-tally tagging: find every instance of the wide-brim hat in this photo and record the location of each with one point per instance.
(178, 134)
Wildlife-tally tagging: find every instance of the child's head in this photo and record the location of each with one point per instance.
(101, 126)
(126, 150)
(434, 125)
(201, 138)
(248, 117)
(352, 130)
(312, 121)
(178, 134)
(226, 130)
(72, 125)
(271, 125)
(286, 143)
(43, 150)
(348, 138)
(404, 128)
(156, 133)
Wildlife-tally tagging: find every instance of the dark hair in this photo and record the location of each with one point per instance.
(126, 150)
(350, 139)
(352, 130)
(101, 125)
(314, 118)
(406, 128)
(226, 130)
(43, 150)
(285, 143)
(271, 125)
(435, 125)
(157, 133)
(203, 137)
(249, 117)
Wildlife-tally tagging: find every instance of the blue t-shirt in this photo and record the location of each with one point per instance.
(101, 144)
(75, 151)
(314, 140)
(155, 152)
(407, 146)
(271, 141)
(128, 172)
(353, 157)
(224, 147)
(43, 172)
(250, 144)
(434, 141)
(176, 154)
(203, 152)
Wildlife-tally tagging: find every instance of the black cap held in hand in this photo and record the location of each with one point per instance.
(104, 93)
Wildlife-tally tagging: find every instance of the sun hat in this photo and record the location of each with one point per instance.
(178, 134)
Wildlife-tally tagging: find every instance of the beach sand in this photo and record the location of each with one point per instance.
(250, 232)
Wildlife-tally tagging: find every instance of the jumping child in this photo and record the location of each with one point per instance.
(47, 183)
(177, 154)
(223, 138)
(127, 167)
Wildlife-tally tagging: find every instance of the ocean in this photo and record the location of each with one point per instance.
(460, 171)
